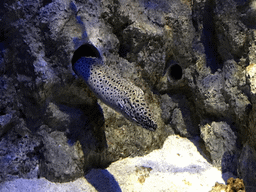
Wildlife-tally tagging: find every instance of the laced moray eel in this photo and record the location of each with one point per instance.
(118, 93)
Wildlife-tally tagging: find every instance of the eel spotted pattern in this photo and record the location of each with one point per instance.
(115, 91)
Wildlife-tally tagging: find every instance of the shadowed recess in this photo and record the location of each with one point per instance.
(209, 38)
(72, 6)
(124, 49)
(103, 181)
(175, 72)
(46, 2)
(86, 50)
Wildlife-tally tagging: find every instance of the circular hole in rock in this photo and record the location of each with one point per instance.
(175, 72)
(86, 50)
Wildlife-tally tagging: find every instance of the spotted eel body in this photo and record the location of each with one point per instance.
(116, 92)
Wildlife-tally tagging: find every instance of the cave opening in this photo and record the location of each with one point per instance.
(86, 50)
(175, 72)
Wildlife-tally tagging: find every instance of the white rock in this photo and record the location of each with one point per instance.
(178, 166)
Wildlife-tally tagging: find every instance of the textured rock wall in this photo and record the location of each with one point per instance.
(195, 61)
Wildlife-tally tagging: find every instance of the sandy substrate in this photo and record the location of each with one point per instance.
(178, 166)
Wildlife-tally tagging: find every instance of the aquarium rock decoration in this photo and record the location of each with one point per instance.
(193, 63)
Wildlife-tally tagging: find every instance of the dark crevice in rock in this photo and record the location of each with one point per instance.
(86, 50)
(195, 19)
(86, 126)
(125, 46)
(119, 23)
(20, 58)
(209, 37)
(2, 36)
(46, 2)
(89, 131)
(124, 49)
(73, 6)
(21, 114)
(175, 72)
(115, 20)
(82, 131)
(52, 48)
(2, 47)
(2, 112)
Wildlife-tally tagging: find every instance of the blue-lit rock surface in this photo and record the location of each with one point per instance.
(178, 166)
(194, 61)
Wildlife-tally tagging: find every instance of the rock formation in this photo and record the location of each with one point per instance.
(194, 60)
